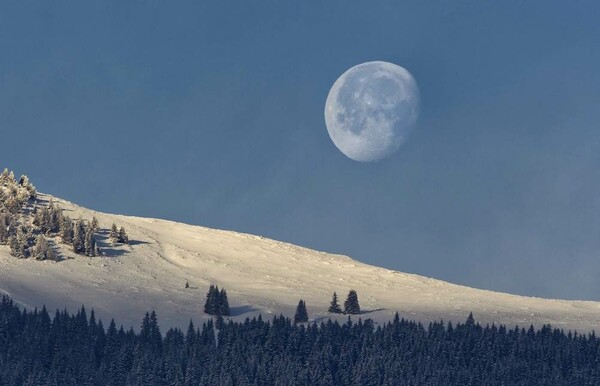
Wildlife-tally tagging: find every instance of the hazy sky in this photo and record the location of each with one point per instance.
(211, 113)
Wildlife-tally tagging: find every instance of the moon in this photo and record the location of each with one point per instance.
(370, 110)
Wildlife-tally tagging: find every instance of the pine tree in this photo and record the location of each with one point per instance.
(334, 307)
(301, 315)
(217, 302)
(123, 238)
(54, 218)
(40, 250)
(43, 250)
(6, 223)
(19, 243)
(114, 234)
(223, 307)
(89, 242)
(94, 225)
(66, 230)
(13, 243)
(211, 304)
(351, 305)
(4, 175)
(79, 237)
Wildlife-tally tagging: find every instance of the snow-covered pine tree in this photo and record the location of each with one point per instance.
(28, 187)
(54, 218)
(11, 204)
(13, 243)
(4, 175)
(19, 243)
(7, 224)
(89, 244)
(66, 230)
(40, 250)
(79, 237)
(41, 219)
(43, 250)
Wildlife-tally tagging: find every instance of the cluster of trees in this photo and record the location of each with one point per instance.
(76, 349)
(29, 228)
(15, 194)
(16, 204)
(79, 234)
(217, 302)
(351, 305)
(118, 236)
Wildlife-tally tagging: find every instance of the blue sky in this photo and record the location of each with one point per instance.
(212, 113)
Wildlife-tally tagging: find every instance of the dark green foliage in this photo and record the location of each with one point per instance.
(301, 315)
(76, 350)
(79, 237)
(89, 242)
(217, 302)
(211, 304)
(334, 307)
(223, 303)
(351, 305)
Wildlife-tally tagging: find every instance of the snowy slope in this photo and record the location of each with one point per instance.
(260, 275)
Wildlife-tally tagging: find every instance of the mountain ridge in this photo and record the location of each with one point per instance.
(262, 276)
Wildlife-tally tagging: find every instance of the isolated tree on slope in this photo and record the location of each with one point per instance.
(334, 307)
(114, 234)
(301, 315)
(351, 305)
(123, 238)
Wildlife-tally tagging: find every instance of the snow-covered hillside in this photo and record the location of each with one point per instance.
(260, 275)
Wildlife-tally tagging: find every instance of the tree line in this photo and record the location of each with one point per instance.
(77, 349)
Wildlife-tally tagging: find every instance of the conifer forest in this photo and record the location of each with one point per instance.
(37, 348)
